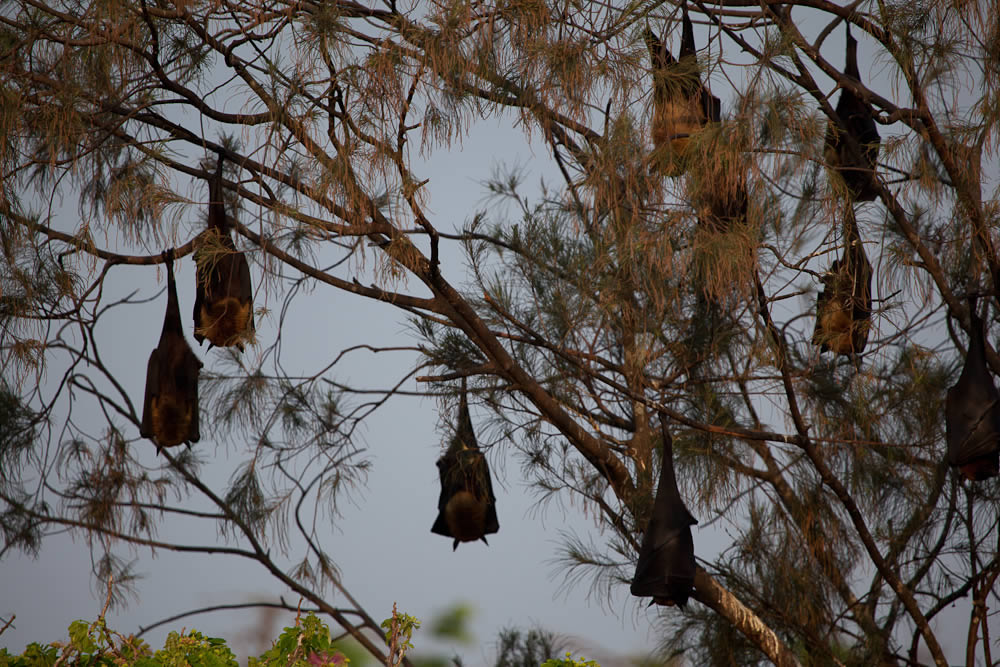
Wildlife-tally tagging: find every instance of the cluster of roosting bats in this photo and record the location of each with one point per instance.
(682, 106)
(223, 314)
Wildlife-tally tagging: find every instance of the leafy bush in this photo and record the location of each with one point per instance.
(306, 644)
(569, 661)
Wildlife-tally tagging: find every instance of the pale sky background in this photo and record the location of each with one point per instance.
(382, 543)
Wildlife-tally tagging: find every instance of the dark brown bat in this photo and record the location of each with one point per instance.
(682, 105)
(666, 566)
(223, 305)
(972, 411)
(170, 406)
(856, 170)
(844, 307)
(466, 507)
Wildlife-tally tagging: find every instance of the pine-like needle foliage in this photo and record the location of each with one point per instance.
(587, 299)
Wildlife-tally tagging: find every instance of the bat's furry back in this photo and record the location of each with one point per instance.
(666, 567)
(170, 404)
(972, 413)
(858, 174)
(466, 506)
(223, 305)
(682, 105)
(844, 307)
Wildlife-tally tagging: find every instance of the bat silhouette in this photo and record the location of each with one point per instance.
(466, 507)
(223, 304)
(857, 171)
(170, 406)
(666, 566)
(682, 105)
(843, 308)
(972, 411)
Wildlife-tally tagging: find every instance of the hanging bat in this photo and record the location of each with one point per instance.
(170, 406)
(972, 411)
(858, 171)
(844, 307)
(466, 507)
(223, 305)
(682, 105)
(666, 566)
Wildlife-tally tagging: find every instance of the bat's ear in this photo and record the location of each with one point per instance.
(454, 545)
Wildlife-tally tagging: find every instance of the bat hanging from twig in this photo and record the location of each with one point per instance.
(857, 171)
(223, 305)
(682, 104)
(666, 567)
(170, 405)
(844, 307)
(972, 411)
(466, 507)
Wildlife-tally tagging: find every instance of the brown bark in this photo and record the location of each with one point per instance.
(710, 593)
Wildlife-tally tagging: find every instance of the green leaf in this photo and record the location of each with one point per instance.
(79, 637)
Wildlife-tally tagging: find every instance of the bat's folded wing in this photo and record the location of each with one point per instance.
(152, 389)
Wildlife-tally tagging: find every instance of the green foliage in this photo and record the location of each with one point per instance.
(306, 644)
(194, 649)
(91, 644)
(569, 661)
(398, 632)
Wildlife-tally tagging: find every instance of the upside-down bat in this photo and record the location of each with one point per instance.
(466, 507)
(682, 105)
(856, 170)
(666, 566)
(844, 307)
(972, 411)
(223, 305)
(170, 406)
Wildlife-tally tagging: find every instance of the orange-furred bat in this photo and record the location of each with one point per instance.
(170, 407)
(223, 304)
(857, 117)
(844, 307)
(972, 411)
(666, 566)
(466, 507)
(682, 105)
